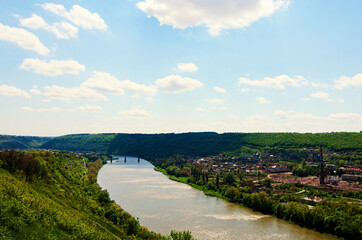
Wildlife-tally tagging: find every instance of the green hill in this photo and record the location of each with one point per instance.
(21, 142)
(200, 144)
(55, 196)
(81, 143)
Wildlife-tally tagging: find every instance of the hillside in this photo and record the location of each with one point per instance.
(55, 196)
(21, 142)
(81, 142)
(206, 143)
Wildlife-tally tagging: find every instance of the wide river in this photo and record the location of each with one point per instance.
(163, 205)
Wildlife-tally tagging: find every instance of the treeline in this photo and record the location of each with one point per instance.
(61, 200)
(31, 166)
(337, 141)
(342, 218)
(201, 144)
(98, 143)
(21, 142)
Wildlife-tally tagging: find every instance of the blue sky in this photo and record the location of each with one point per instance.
(150, 66)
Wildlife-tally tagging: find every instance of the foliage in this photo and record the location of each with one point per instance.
(152, 146)
(21, 142)
(185, 235)
(66, 204)
(103, 197)
(342, 218)
(228, 178)
(81, 143)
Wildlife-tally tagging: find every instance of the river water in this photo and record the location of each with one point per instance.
(163, 205)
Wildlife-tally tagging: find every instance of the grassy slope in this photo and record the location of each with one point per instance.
(64, 206)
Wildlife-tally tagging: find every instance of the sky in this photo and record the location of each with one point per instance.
(160, 66)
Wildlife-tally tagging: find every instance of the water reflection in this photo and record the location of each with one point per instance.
(163, 205)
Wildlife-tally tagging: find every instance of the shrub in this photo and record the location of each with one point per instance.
(103, 197)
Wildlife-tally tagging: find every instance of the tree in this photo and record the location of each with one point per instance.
(232, 193)
(103, 197)
(228, 178)
(267, 182)
(185, 235)
(217, 181)
(248, 182)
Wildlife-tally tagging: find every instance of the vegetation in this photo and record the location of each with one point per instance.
(152, 146)
(81, 143)
(21, 142)
(336, 214)
(58, 198)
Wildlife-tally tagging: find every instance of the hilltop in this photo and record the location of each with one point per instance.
(200, 144)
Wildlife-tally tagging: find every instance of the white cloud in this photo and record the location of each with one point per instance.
(90, 108)
(216, 15)
(256, 118)
(53, 67)
(43, 110)
(281, 114)
(219, 89)
(325, 96)
(305, 99)
(345, 117)
(35, 91)
(177, 84)
(279, 82)
(107, 83)
(262, 100)
(223, 108)
(23, 39)
(34, 22)
(306, 122)
(136, 112)
(295, 116)
(347, 82)
(86, 108)
(320, 95)
(62, 29)
(78, 15)
(76, 93)
(10, 91)
(215, 100)
(187, 67)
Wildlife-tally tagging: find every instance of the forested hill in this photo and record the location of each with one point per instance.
(21, 142)
(200, 144)
(81, 143)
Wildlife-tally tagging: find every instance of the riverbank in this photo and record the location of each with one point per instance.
(252, 198)
(208, 192)
(53, 195)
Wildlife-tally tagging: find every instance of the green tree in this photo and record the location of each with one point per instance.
(267, 182)
(228, 178)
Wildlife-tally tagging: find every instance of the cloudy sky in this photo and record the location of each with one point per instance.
(150, 66)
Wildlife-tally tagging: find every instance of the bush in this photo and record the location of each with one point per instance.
(185, 235)
(111, 215)
(103, 197)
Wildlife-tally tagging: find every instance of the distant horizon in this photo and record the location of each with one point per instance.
(167, 133)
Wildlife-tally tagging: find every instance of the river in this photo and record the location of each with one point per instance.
(163, 205)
